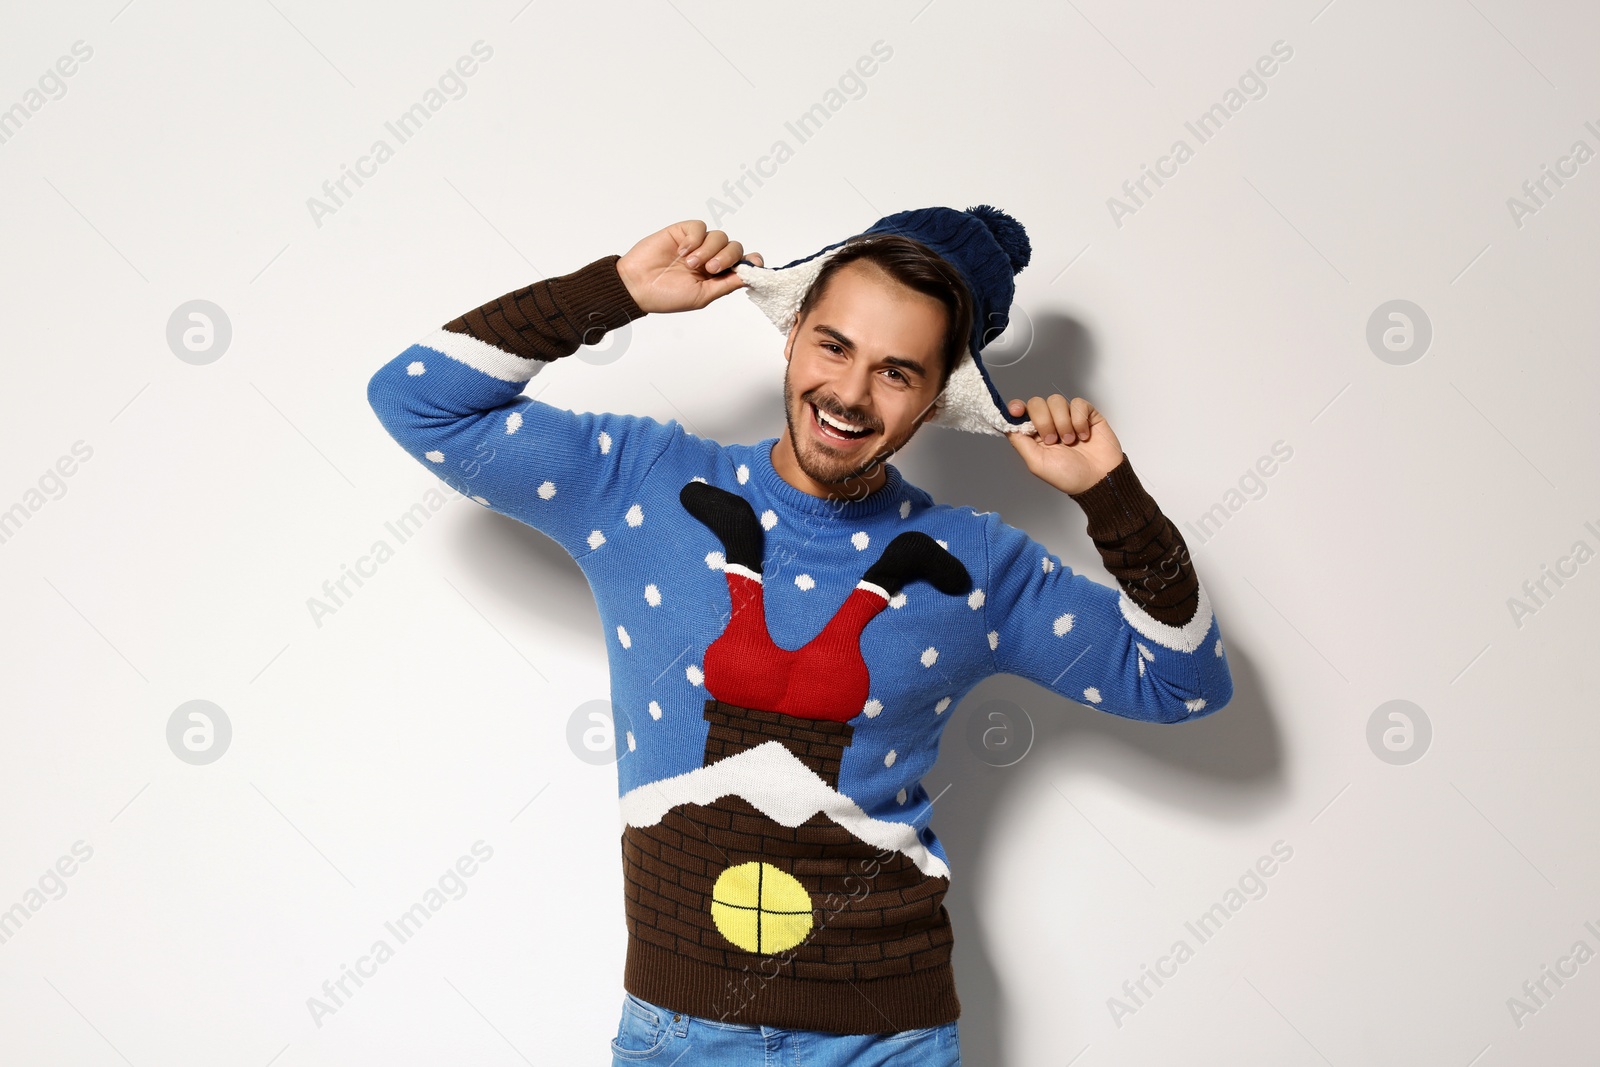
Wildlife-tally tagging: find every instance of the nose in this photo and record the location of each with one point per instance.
(853, 388)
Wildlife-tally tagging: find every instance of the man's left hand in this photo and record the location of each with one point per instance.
(1074, 448)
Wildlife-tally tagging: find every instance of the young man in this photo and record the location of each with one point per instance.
(789, 623)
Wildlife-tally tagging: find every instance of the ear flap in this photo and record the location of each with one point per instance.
(914, 555)
(731, 518)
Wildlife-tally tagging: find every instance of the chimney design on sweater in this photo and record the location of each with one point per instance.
(755, 865)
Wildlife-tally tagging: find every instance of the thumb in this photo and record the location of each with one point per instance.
(1026, 445)
(722, 285)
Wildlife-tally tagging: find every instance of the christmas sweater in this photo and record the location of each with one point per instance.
(782, 665)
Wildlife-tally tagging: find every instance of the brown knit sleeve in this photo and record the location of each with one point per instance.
(1141, 547)
(554, 317)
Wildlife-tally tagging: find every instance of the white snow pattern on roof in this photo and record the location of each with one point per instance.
(783, 789)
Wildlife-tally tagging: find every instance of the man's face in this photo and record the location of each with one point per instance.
(867, 355)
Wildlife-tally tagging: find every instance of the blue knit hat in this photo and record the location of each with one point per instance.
(986, 247)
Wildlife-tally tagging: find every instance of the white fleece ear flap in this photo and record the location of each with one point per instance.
(965, 403)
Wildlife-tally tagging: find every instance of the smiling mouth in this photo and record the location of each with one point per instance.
(836, 429)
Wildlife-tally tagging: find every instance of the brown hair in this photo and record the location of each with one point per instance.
(916, 266)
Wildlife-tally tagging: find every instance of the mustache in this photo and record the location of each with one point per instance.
(843, 416)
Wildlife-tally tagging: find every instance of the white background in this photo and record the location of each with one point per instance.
(1226, 313)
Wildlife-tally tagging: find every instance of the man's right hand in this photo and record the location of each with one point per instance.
(682, 268)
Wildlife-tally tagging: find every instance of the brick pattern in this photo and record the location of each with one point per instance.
(818, 743)
(866, 925)
(874, 916)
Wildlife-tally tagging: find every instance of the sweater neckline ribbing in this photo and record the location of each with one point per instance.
(886, 495)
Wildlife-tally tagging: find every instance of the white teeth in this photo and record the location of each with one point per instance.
(845, 426)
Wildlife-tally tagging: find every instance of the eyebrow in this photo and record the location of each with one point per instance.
(850, 346)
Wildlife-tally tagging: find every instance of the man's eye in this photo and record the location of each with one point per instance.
(831, 347)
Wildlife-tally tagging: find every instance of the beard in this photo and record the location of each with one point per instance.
(822, 465)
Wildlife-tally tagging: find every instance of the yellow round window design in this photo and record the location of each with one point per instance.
(761, 908)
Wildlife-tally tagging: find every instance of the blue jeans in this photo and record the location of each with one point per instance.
(650, 1034)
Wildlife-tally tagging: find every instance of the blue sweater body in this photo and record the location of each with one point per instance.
(606, 488)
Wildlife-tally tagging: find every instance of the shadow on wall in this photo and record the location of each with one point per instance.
(1226, 766)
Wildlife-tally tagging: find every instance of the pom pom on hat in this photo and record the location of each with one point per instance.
(1008, 234)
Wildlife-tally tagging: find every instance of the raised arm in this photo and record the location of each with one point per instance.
(454, 399)
(1150, 650)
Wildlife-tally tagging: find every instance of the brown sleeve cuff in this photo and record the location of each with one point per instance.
(1140, 546)
(554, 317)
(1117, 505)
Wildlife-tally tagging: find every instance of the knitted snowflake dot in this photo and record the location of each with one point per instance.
(1062, 624)
(872, 708)
(415, 368)
(1092, 695)
(605, 442)
(859, 539)
(1145, 652)
(743, 473)
(652, 595)
(975, 599)
(1195, 705)
(436, 456)
(482, 501)
(1216, 649)
(635, 515)
(944, 702)
(716, 560)
(655, 710)
(694, 674)
(804, 581)
(769, 519)
(898, 600)
(900, 797)
(547, 490)
(514, 422)
(994, 639)
(631, 745)
(596, 538)
(905, 508)
(1048, 566)
(888, 761)
(622, 636)
(929, 655)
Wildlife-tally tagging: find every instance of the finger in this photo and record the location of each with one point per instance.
(1043, 421)
(688, 233)
(1082, 417)
(756, 258)
(725, 258)
(713, 243)
(1061, 411)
